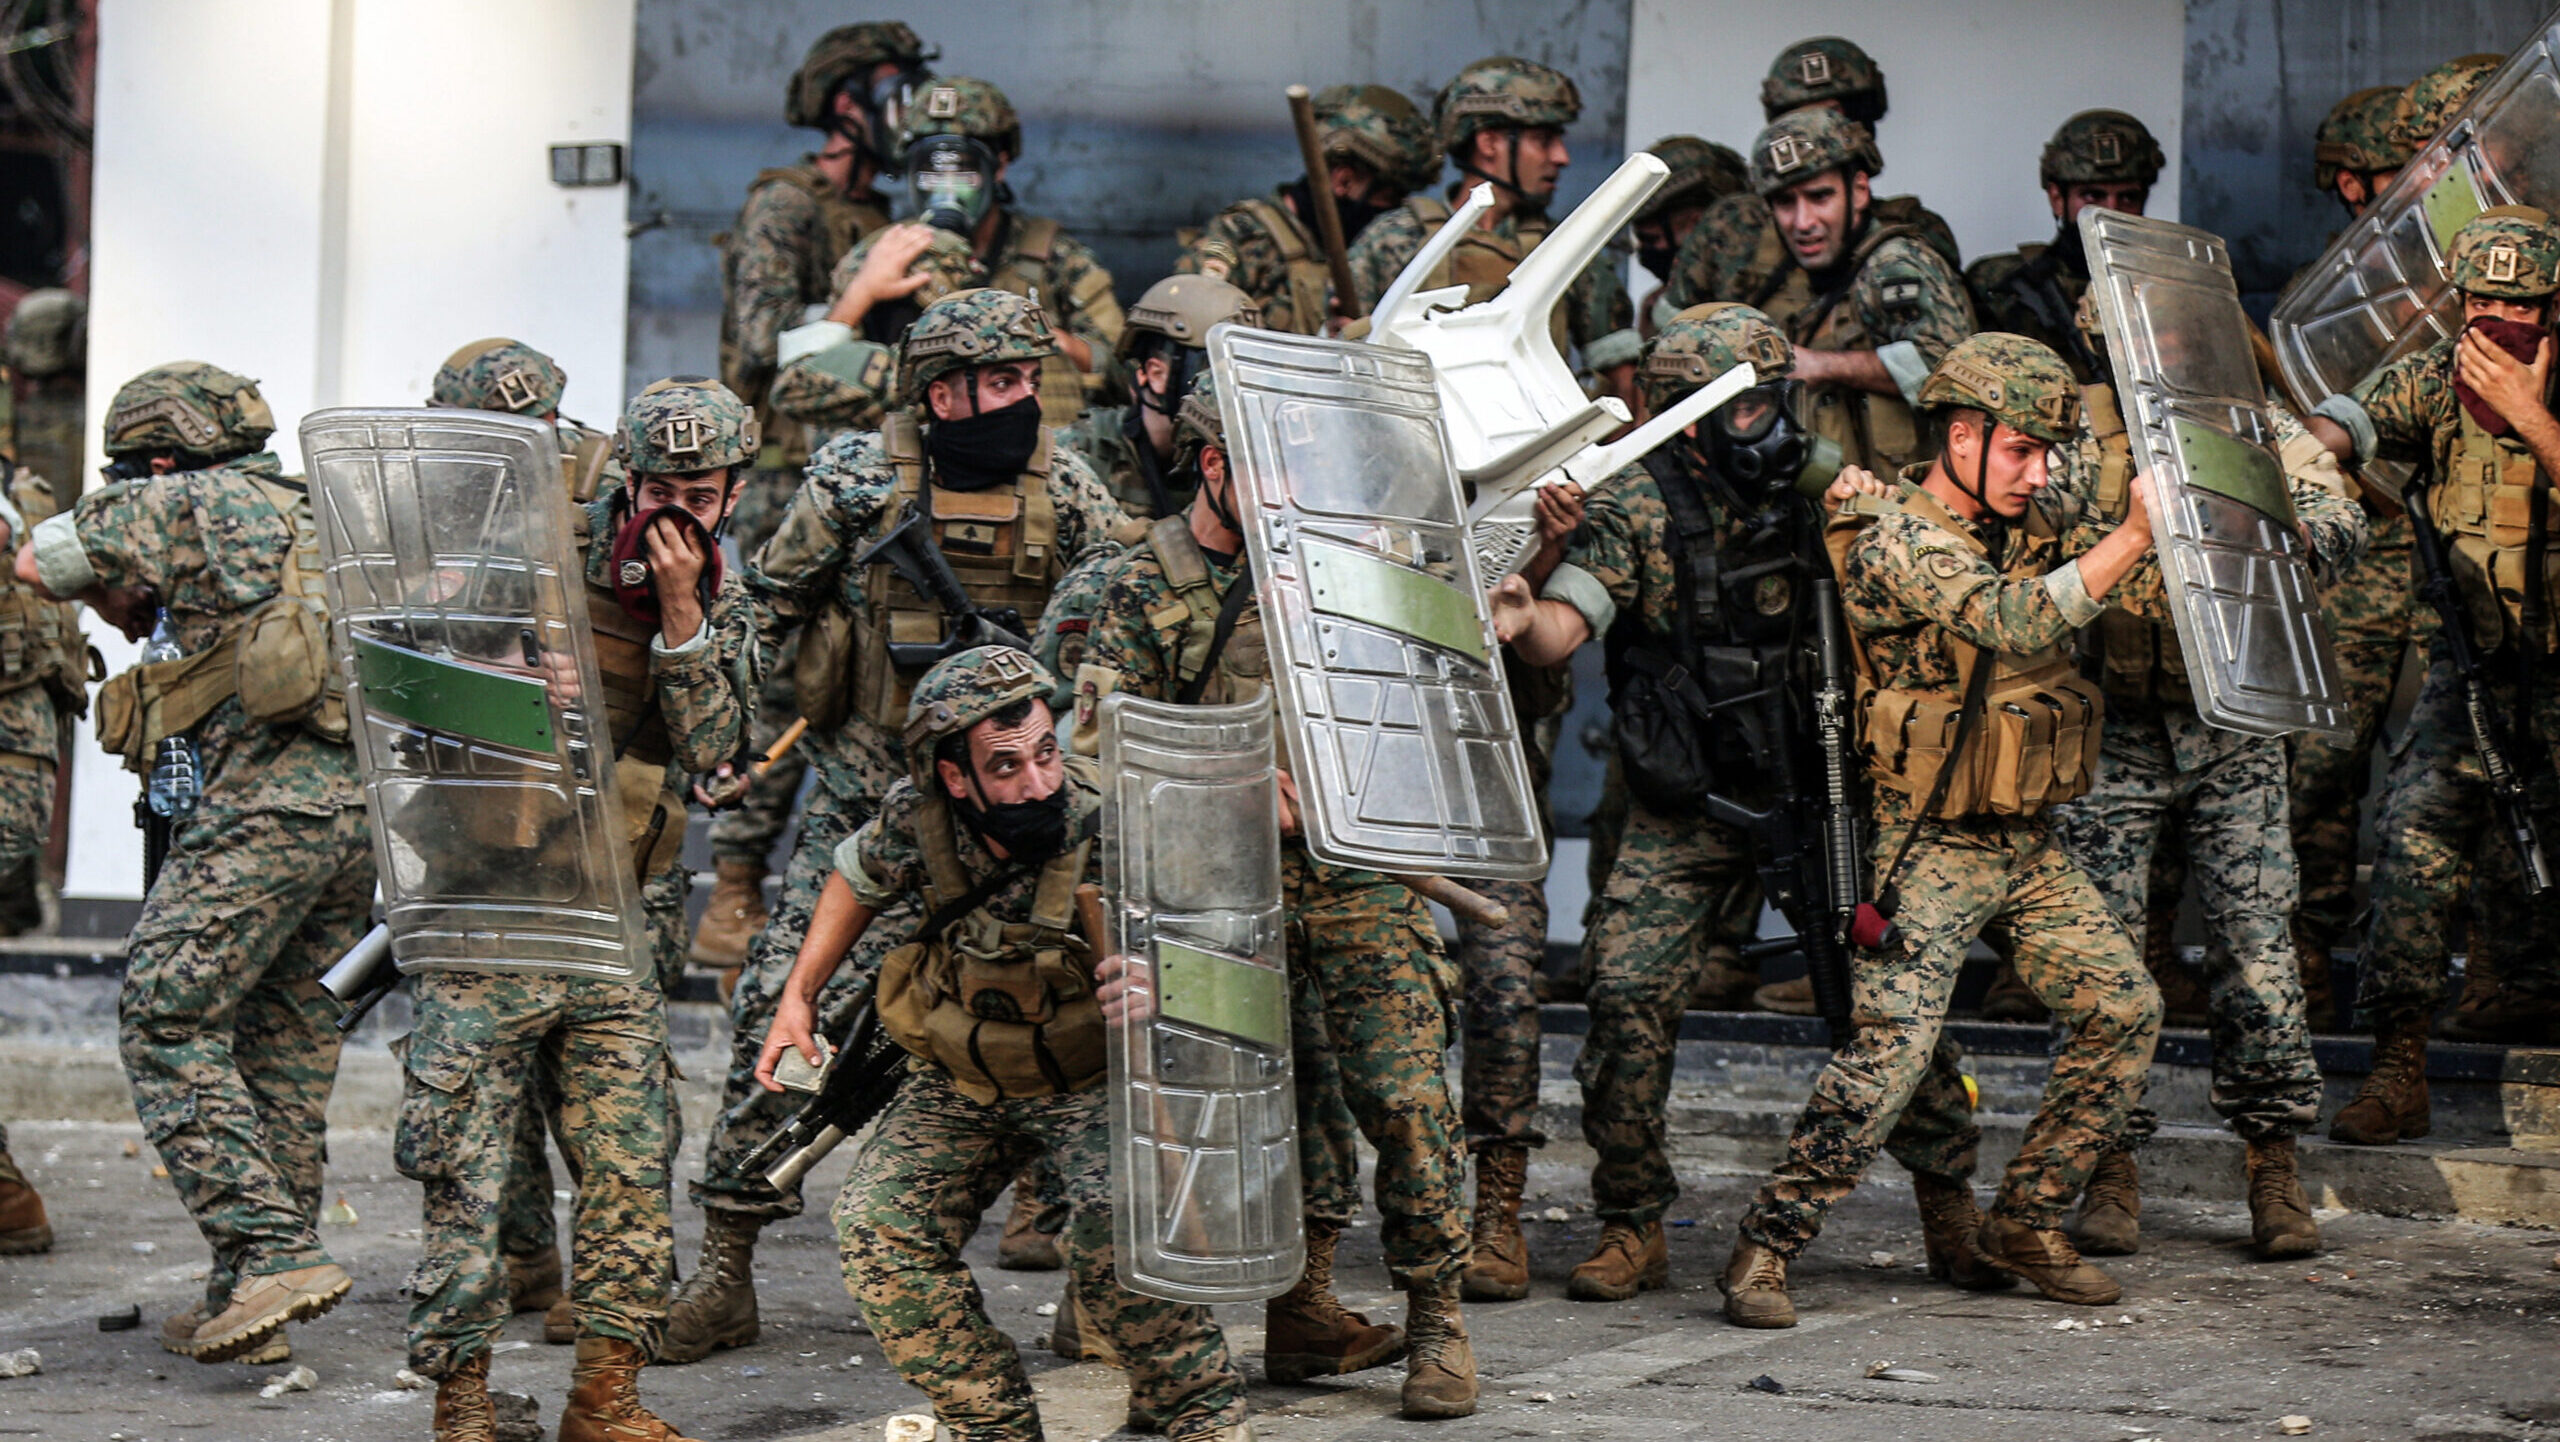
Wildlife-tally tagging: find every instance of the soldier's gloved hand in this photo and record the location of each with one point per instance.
(883, 276)
(794, 1025)
(1515, 608)
(1122, 986)
(1854, 481)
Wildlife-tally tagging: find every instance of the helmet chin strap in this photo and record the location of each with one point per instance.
(1980, 490)
(1468, 167)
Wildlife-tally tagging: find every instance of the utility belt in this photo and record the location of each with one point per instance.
(2037, 744)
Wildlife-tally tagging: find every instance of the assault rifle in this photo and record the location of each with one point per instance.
(859, 1085)
(2488, 733)
(910, 551)
(1844, 820)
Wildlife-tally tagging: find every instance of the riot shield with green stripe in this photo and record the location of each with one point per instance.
(2237, 569)
(1204, 1151)
(477, 711)
(1398, 728)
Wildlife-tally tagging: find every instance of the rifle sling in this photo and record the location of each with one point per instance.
(1977, 686)
(1230, 608)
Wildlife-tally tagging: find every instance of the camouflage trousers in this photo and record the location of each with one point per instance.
(2441, 841)
(1732, 913)
(484, 1049)
(26, 811)
(1370, 989)
(934, 1162)
(2369, 619)
(749, 833)
(1500, 966)
(2228, 793)
(227, 1037)
(1960, 878)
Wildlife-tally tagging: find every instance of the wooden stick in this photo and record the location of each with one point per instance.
(782, 745)
(1466, 905)
(1337, 254)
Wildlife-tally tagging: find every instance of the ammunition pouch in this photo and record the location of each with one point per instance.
(2485, 509)
(1300, 305)
(2037, 744)
(823, 669)
(1483, 261)
(1878, 432)
(141, 707)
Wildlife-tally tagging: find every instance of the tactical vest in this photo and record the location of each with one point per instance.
(2484, 506)
(2138, 659)
(1299, 305)
(1028, 246)
(2035, 743)
(40, 640)
(1189, 622)
(1483, 261)
(274, 657)
(653, 808)
(1006, 1008)
(842, 220)
(1878, 432)
(582, 466)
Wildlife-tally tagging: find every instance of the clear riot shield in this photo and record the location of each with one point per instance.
(454, 593)
(1204, 1149)
(2381, 289)
(1398, 727)
(2239, 577)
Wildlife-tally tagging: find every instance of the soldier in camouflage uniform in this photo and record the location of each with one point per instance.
(776, 262)
(840, 372)
(2471, 416)
(1702, 173)
(2433, 99)
(1132, 446)
(1959, 597)
(1377, 148)
(987, 1092)
(48, 353)
(225, 1034)
(1012, 511)
(1370, 985)
(2104, 158)
(2226, 792)
(1735, 251)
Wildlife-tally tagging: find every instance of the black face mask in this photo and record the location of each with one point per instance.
(1030, 832)
(987, 449)
(884, 323)
(2070, 250)
(1356, 214)
(1658, 259)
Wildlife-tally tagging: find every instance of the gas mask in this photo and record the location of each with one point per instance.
(634, 589)
(951, 182)
(883, 106)
(1758, 445)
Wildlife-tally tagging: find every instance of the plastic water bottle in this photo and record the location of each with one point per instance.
(176, 784)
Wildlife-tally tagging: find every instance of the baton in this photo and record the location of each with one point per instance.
(1337, 256)
(1462, 903)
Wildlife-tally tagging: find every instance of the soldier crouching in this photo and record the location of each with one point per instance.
(991, 832)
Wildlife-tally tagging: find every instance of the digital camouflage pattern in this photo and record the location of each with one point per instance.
(1114, 440)
(1599, 319)
(1702, 172)
(1378, 127)
(483, 1051)
(1703, 342)
(1058, 642)
(1734, 253)
(961, 691)
(2101, 147)
(1802, 144)
(1254, 240)
(971, 328)
(2370, 614)
(2433, 99)
(2034, 291)
(2510, 252)
(2356, 136)
(2017, 382)
(188, 406)
(683, 425)
(965, 105)
(1498, 1013)
(776, 259)
(842, 54)
(499, 374)
(849, 383)
(935, 1162)
(1823, 68)
(1502, 92)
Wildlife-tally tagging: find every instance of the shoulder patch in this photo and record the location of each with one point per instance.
(1945, 565)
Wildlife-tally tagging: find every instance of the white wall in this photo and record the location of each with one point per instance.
(330, 196)
(1975, 87)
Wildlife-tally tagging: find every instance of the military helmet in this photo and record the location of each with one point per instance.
(1199, 422)
(968, 328)
(685, 424)
(1379, 128)
(961, 691)
(2508, 252)
(48, 333)
(840, 55)
(499, 374)
(1701, 172)
(2357, 136)
(2018, 382)
(949, 263)
(960, 105)
(1182, 308)
(1824, 68)
(188, 406)
(1705, 341)
(1802, 144)
(2101, 147)
(1502, 92)
(2433, 99)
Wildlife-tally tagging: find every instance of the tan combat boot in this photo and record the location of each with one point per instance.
(2046, 1259)
(1307, 1332)
(1499, 1269)
(2110, 1223)
(1439, 1364)
(2319, 995)
(1787, 998)
(560, 1322)
(1948, 1221)
(533, 1279)
(731, 917)
(2280, 1225)
(716, 1306)
(463, 1410)
(1073, 1336)
(2010, 1000)
(260, 1306)
(1024, 1247)
(1723, 985)
(178, 1334)
(1629, 1259)
(2391, 1106)
(23, 1227)
(604, 1397)
(1755, 1287)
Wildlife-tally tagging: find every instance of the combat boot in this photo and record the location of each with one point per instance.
(533, 1279)
(260, 1306)
(1723, 985)
(1948, 1221)
(1755, 1288)
(463, 1410)
(1024, 1247)
(178, 1334)
(716, 1306)
(2010, 1000)
(2183, 998)
(1073, 1336)
(731, 917)
(2391, 1106)
(2110, 1223)
(23, 1227)
(560, 1322)
(2280, 1224)
(1307, 1332)
(1629, 1259)
(2319, 995)
(1787, 998)
(2045, 1258)
(1440, 1364)
(2501, 1014)
(604, 1397)
(1499, 1269)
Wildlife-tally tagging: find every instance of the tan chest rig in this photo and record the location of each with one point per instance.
(652, 796)
(2138, 659)
(1005, 1007)
(40, 640)
(1878, 432)
(1482, 261)
(1187, 624)
(1299, 306)
(1065, 390)
(842, 220)
(274, 657)
(2484, 505)
(2035, 743)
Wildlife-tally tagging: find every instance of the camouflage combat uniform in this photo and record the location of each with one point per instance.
(2035, 290)
(42, 677)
